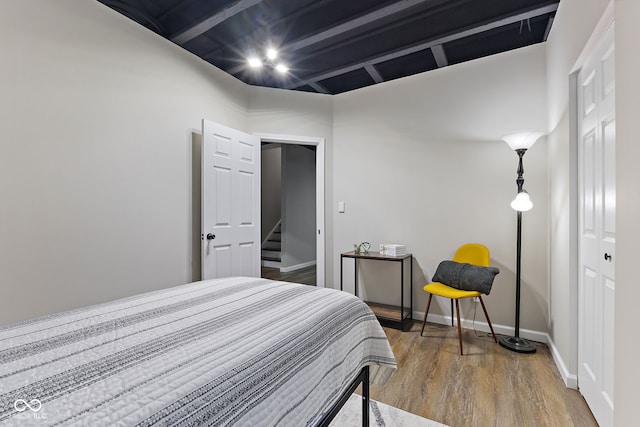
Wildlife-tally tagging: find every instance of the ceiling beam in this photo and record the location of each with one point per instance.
(371, 17)
(319, 88)
(548, 29)
(439, 55)
(213, 20)
(373, 72)
(345, 27)
(427, 45)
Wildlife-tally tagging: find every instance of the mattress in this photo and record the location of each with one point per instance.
(235, 351)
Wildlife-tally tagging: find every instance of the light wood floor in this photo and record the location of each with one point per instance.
(488, 386)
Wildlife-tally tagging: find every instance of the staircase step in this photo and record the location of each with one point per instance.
(271, 255)
(272, 246)
(271, 258)
(274, 241)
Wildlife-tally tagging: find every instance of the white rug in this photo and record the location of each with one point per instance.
(380, 415)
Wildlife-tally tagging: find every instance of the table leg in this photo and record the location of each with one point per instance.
(411, 287)
(355, 279)
(341, 258)
(402, 293)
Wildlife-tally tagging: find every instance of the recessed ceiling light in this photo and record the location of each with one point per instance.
(254, 62)
(272, 53)
(281, 68)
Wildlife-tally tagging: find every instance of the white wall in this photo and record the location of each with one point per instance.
(627, 348)
(419, 161)
(298, 206)
(271, 192)
(97, 118)
(572, 27)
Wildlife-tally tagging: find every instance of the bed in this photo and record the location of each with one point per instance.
(236, 351)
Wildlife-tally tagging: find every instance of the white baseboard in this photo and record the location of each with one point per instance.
(570, 380)
(297, 266)
(484, 327)
(271, 264)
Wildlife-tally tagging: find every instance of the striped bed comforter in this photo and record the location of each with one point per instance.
(236, 351)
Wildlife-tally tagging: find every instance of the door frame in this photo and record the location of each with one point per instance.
(603, 25)
(320, 191)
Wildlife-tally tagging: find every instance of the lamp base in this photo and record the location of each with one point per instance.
(517, 344)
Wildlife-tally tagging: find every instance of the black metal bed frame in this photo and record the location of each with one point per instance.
(363, 377)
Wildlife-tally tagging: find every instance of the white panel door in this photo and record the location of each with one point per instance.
(230, 202)
(597, 202)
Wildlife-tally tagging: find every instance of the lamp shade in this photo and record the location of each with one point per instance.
(522, 202)
(522, 140)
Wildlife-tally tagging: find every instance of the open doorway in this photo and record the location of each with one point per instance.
(292, 209)
(288, 212)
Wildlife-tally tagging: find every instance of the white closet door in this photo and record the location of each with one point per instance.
(597, 203)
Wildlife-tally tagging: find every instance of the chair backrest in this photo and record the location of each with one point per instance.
(473, 253)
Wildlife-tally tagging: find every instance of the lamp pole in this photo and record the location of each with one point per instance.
(516, 343)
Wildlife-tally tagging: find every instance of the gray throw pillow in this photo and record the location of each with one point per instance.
(465, 276)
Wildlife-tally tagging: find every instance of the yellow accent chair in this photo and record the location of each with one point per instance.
(470, 253)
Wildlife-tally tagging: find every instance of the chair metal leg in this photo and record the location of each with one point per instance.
(459, 327)
(451, 312)
(424, 322)
(488, 320)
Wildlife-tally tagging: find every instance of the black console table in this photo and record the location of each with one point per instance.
(398, 317)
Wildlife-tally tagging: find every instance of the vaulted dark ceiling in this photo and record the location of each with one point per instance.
(333, 46)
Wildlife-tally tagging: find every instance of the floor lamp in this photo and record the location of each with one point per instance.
(520, 142)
